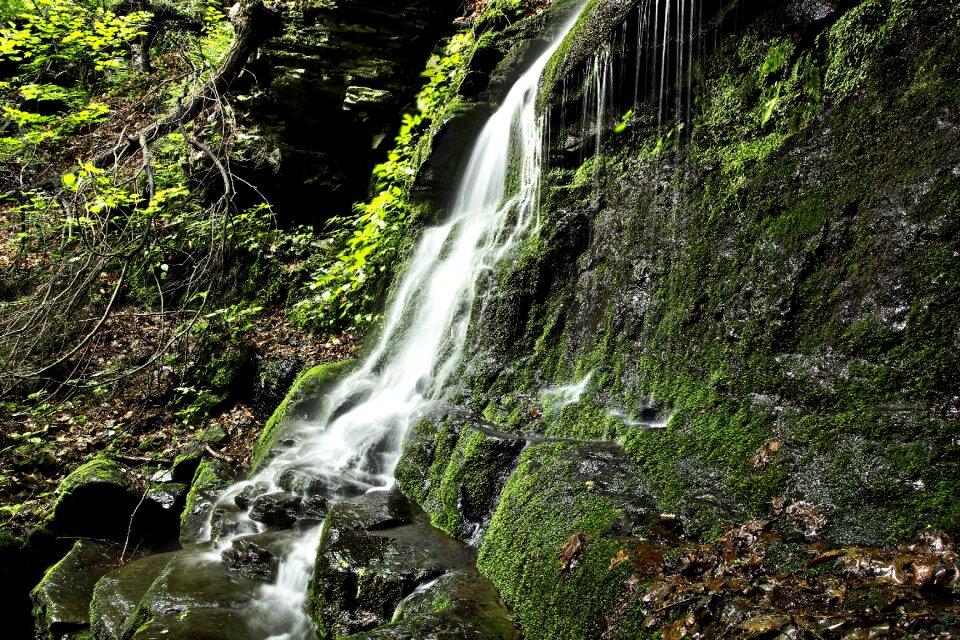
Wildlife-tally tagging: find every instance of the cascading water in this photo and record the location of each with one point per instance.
(355, 444)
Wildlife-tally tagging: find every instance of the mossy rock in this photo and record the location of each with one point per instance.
(194, 595)
(558, 525)
(307, 389)
(456, 473)
(379, 552)
(210, 480)
(459, 605)
(117, 594)
(62, 599)
(104, 500)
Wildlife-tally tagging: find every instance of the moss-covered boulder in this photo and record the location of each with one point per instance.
(105, 500)
(194, 595)
(61, 602)
(457, 606)
(549, 546)
(456, 472)
(304, 396)
(118, 593)
(209, 481)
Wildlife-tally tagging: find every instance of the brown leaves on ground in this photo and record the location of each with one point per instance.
(131, 419)
(752, 584)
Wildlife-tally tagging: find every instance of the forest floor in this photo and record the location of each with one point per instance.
(42, 442)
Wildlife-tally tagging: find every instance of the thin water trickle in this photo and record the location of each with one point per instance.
(568, 394)
(355, 443)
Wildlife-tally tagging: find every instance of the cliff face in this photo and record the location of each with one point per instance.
(326, 93)
(753, 284)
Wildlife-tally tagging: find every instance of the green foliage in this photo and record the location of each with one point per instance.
(78, 43)
(217, 34)
(346, 287)
(624, 122)
(82, 34)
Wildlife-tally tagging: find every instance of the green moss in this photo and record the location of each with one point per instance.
(542, 506)
(309, 385)
(97, 470)
(856, 43)
(454, 473)
(210, 479)
(798, 282)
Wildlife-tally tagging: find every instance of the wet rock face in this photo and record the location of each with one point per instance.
(209, 481)
(330, 87)
(379, 557)
(117, 595)
(62, 599)
(276, 509)
(251, 560)
(457, 472)
(194, 596)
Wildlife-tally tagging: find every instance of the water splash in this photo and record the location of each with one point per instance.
(568, 394)
(638, 424)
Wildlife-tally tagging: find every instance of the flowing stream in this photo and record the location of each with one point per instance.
(355, 444)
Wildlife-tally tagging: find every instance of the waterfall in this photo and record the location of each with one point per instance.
(355, 444)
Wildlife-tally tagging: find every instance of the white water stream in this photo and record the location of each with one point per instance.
(356, 443)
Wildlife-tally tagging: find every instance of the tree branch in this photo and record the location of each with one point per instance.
(250, 24)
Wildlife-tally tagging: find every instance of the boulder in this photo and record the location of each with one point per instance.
(276, 509)
(378, 558)
(199, 624)
(210, 480)
(456, 471)
(195, 595)
(106, 501)
(563, 515)
(61, 602)
(251, 560)
(118, 593)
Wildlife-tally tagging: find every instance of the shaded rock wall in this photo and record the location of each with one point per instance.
(329, 90)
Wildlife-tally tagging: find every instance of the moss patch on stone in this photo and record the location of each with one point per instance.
(309, 385)
(550, 542)
(209, 481)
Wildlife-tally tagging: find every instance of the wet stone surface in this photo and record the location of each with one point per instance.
(117, 594)
(380, 557)
(251, 560)
(62, 599)
(276, 509)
